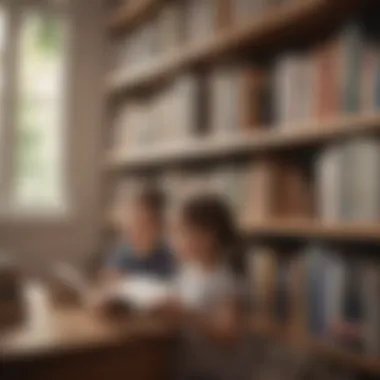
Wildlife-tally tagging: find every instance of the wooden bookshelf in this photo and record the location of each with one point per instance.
(285, 23)
(131, 14)
(301, 135)
(299, 22)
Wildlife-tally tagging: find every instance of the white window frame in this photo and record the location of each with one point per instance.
(8, 104)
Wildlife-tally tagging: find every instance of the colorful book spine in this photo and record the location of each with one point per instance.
(331, 202)
(371, 307)
(315, 277)
(328, 78)
(352, 53)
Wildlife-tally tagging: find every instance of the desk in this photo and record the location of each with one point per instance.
(72, 343)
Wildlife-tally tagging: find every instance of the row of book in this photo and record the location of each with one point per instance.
(339, 291)
(167, 118)
(185, 22)
(341, 183)
(340, 77)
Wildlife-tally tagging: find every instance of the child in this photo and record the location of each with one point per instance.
(214, 346)
(141, 250)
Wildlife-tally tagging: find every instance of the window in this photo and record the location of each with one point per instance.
(35, 177)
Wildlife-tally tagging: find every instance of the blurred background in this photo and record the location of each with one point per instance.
(271, 104)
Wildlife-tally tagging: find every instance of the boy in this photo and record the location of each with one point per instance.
(141, 250)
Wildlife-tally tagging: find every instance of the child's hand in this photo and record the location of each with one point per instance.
(172, 309)
(226, 328)
(225, 325)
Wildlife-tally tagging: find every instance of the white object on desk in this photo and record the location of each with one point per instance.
(144, 293)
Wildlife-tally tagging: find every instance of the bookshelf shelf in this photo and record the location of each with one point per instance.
(306, 229)
(285, 23)
(345, 357)
(317, 347)
(131, 14)
(304, 134)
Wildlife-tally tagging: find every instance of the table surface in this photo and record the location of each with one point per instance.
(49, 329)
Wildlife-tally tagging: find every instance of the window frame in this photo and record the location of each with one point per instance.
(10, 98)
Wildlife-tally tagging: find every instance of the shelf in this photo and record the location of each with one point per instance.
(132, 13)
(283, 24)
(370, 232)
(301, 135)
(317, 347)
(346, 358)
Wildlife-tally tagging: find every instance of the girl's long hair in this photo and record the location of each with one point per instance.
(211, 213)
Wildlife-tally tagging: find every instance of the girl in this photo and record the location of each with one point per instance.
(214, 344)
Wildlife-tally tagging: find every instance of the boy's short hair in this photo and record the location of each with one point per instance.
(153, 198)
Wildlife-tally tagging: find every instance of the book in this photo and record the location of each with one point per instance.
(245, 11)
(328, 79)
(224, 108)
(315, 264)
(294, 85)
(201, 20)
(261, 192)
(283, 290)
(261, 268)
(185, 101)
(255, 99)
(170, 28)
(371, 306)
(330, 185)
(369, 80)
(362, 179)
(335, 308)
(294, 196)
(352, 46)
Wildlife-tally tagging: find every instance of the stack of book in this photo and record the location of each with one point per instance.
(343, 304)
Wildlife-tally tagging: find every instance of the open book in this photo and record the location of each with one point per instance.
(142, 293)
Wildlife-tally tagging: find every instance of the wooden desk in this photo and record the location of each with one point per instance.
(72, 343)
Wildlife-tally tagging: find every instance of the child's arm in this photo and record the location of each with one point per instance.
(222, 325)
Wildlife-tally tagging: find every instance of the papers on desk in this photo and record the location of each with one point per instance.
(143, 293)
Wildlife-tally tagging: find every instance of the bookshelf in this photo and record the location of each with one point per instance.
(285, 23)
(294, 190)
